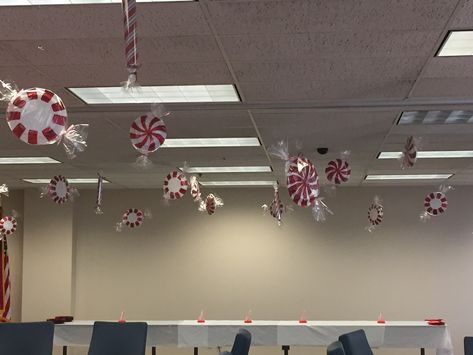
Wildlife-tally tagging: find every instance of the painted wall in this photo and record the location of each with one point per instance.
(182, 261)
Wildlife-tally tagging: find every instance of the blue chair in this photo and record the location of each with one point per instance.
(336, 348)
(355, 343)
(241, 345)
(113, 338)
(468, 345)
(34, 338)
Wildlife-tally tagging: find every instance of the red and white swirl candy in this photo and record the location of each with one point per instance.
(8, 225)
(175, 185)
(435, 203)
(133, 218)
(195, 188)
(210, 204)
(338, 171)
(302, 181)
(147, 133)
(59, 190)
(375, 214)
(37, 116)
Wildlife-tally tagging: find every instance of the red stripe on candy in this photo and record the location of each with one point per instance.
(13, 115)
(47, 96)
(32, 95)
(49, 134)
(19, 102)
(18, 130)
(32, 137)
(59, 120)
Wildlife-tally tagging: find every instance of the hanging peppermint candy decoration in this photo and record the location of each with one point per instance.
(175, 185)
(131, 41)
(375, 214)
(195, 188)
(133, 218)
(409, 153)
(435, 203)
(210, 204)
(338, 171)
(8, 226)
(59, 190)
(38, 117)
(276, 207)
(302, 181)
(147, 133)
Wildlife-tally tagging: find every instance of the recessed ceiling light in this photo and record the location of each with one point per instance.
(408, 177)
(157, 94)
(211, 142)
(70, 2)
(228, 169)
(436, 117)
(430, 154)
(71, 181)
(457, 43)
(238, 183)
(28, 160)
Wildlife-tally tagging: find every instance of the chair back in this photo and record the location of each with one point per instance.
(34, 338)
(336, 348)
(355, 343)
(241, 345)
(113, 338)
(468, 345)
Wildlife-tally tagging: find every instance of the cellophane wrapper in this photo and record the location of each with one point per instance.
(74, 140)
(320, 210)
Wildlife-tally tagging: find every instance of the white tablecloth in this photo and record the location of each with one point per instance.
(274, 333)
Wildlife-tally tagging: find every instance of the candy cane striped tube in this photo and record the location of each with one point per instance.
(98, 202)
(129, 12)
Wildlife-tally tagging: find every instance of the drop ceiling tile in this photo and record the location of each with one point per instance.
(295, 16)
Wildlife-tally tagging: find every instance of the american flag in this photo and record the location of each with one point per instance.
(5, 312)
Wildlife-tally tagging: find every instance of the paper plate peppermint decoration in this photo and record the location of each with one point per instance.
(147, 133)
(435, 203)
(59, 190)
(375, 214)
(210, 204)
(8, 226)
(175, 185)
(195, 188)
(131, 40)
(409, 153)
(132, 218)
(338, 171)
(38, 116)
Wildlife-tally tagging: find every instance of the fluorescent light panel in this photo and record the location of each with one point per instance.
(71, 2)
(436, 117)
(408, 177)
(28, 160)
(72, 181)
(211, 142)
(157, 94)
(238, 183)
(457, 43)
(228, 169)
(430, 154)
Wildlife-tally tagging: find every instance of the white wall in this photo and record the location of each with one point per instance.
(183, 261)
